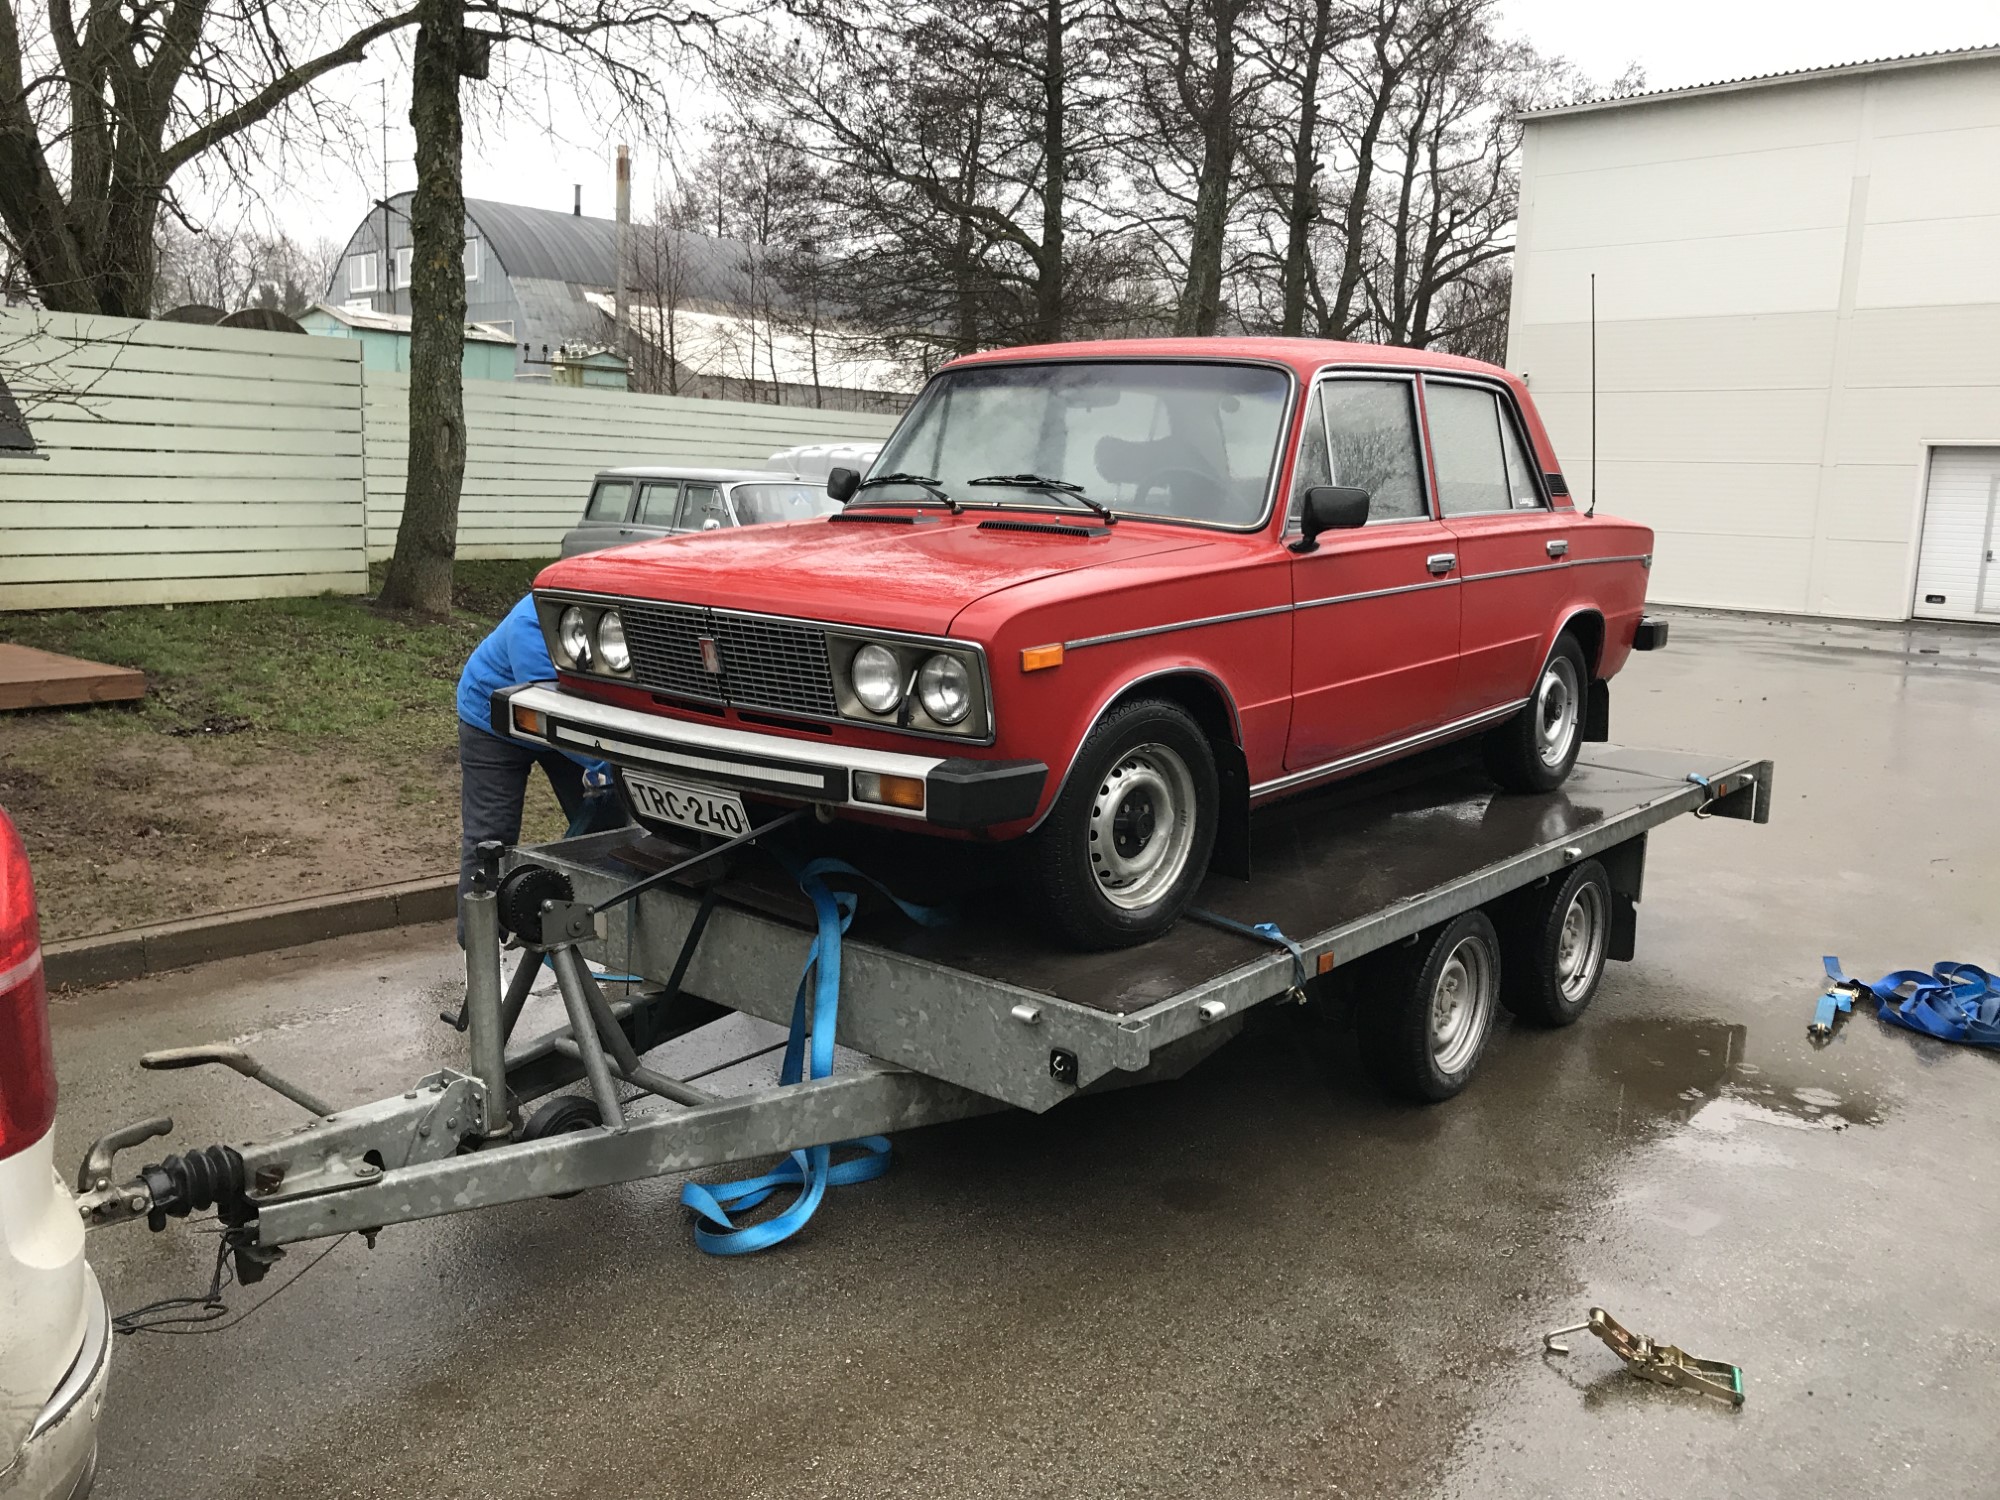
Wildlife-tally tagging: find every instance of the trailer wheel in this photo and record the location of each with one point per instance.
(1556, 942)
(1424, 1030)
(562, 1115)
(1120, 854)
(1535, 750)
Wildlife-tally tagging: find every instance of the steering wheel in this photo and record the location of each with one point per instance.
(1164, 478)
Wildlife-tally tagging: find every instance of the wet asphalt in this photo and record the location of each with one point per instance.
(1260, 1280)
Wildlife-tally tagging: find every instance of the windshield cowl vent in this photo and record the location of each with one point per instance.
(1046, 528)
(885, 518)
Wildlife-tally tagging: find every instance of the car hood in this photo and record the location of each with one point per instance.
(884, 574)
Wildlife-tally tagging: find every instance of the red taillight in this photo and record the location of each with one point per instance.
(27, 1065)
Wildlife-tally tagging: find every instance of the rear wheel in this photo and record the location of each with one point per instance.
(1424, 1027)
(1120, 855)
(1557, 940)
(1534, 750)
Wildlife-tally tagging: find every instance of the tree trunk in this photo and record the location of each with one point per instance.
(1303, 210)
(1200, 308)
(427, 540)
(1049, 308)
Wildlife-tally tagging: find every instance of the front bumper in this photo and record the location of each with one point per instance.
(59, 1460)
(959, 792)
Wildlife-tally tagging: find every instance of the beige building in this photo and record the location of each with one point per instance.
(1798, 330)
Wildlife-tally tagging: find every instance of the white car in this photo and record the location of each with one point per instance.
(55, 1331)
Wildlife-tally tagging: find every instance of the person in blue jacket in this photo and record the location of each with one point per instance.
(493, 772)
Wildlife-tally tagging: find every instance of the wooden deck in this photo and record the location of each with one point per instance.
(42, 679)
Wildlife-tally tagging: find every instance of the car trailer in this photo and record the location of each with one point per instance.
(939, 1022)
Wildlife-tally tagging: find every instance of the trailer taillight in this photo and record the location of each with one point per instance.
(27, 1065)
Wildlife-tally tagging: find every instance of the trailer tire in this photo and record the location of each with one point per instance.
(1536, 749)
(562, 1115)
(1425, 1028)
(1126, 845)
(1554, 943)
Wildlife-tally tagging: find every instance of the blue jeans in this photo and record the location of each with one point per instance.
(493, 784)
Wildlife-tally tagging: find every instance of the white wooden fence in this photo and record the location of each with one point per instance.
(531, 451)
(182, 463)
(186, 463)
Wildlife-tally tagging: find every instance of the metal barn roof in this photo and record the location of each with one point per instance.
(543, 244)
(1771, 80)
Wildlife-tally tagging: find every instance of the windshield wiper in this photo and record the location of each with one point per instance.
(928, 483)
(1054, 486)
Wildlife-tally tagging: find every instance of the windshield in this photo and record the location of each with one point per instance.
(1190, 441)
(758, 503)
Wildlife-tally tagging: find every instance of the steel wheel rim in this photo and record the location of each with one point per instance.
(1462, 1003)
(1580, 944)
(1142, 826)
(1555, 711)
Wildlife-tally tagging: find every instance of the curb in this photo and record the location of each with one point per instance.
(159, 946)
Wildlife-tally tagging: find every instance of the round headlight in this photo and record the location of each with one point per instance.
(611, 642)
(944, 688)
(877, 679)
(573, 635)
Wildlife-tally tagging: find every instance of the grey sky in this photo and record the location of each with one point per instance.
(1698, 41)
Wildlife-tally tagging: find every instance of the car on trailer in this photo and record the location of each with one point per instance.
(55, 1331)
(1108, 598)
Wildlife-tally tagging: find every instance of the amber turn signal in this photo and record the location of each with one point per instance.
(889, 791)
(527, 721)
(1040, 658)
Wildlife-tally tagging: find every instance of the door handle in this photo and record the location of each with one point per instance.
(1558, 547)
(1441, 563)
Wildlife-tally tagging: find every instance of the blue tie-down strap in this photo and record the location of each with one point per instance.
(1266, 932)
(812, 1170)
(1954, 1002)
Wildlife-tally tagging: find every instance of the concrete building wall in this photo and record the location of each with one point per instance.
(1798, 301)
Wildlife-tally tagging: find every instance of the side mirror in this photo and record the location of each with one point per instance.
(842, 483)
(1331, 507)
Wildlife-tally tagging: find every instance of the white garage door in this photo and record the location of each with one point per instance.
(1958, 576)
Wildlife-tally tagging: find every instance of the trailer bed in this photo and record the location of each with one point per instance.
(989, 1003)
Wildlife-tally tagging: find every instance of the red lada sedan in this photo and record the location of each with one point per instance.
(1109, 597)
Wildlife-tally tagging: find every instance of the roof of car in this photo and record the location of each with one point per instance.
(706, 476)
(1304, 355)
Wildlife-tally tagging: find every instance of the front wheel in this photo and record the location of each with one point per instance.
(1535, 750)
(1125, 846)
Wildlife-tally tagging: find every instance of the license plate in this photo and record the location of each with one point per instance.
(701, 808)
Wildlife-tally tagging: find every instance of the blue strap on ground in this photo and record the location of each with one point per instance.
(1954, 1002)
(812, 1171)
(1266, 932)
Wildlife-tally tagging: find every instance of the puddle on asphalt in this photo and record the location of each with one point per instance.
(1696, 1073)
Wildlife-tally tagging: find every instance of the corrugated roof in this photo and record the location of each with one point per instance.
(1772, 80)
(544, 244)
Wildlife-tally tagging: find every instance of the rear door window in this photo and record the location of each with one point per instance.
(609, 501)
(1466, 446)
(701, 504)
(658, 501)
(1520, 476)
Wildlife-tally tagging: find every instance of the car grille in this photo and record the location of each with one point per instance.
(775, 665)
(665, 641)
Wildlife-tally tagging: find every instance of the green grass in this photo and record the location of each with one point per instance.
(312, 671)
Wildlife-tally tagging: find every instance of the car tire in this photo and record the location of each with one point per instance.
(1535, 750)
(1123, 850)
(1555, 942)
(1424, 1024)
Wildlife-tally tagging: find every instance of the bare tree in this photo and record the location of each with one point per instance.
(1191, 100)
(613, 44)
(103, 103)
